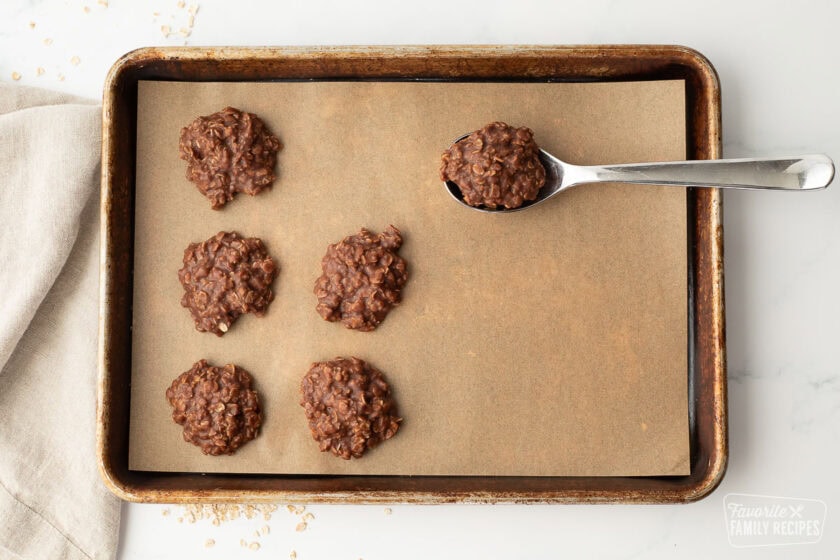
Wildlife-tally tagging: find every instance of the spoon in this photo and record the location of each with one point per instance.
(794, 173)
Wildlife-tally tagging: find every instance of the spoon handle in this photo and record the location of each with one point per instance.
(787, 173)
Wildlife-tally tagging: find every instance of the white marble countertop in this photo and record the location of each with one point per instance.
(780, 76)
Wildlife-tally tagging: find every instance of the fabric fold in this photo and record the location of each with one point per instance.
(52, 501)
(49, 163)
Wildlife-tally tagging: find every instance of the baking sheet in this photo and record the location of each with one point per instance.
(547, 342)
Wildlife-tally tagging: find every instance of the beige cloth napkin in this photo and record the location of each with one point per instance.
(52, 502)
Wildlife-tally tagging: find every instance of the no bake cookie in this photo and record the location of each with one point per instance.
(217, 407)
(349, 406)
(497, 165)
(229, 152)
(362, 279)
(224, 277)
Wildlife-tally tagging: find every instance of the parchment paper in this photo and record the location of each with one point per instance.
(547, 342)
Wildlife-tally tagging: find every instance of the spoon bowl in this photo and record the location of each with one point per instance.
(553, 180)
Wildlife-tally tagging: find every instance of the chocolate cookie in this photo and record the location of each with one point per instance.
(362, 279)
(224, 277)
(497, 165)
(229, 152)
(217, 407)
(349, 406)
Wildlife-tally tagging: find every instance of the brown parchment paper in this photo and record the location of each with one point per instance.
(547, 342)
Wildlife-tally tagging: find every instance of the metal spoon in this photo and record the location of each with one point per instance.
(794, 173)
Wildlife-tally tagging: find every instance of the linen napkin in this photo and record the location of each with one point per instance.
(52, 502)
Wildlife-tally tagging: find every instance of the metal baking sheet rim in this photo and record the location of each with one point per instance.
(707, 372)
